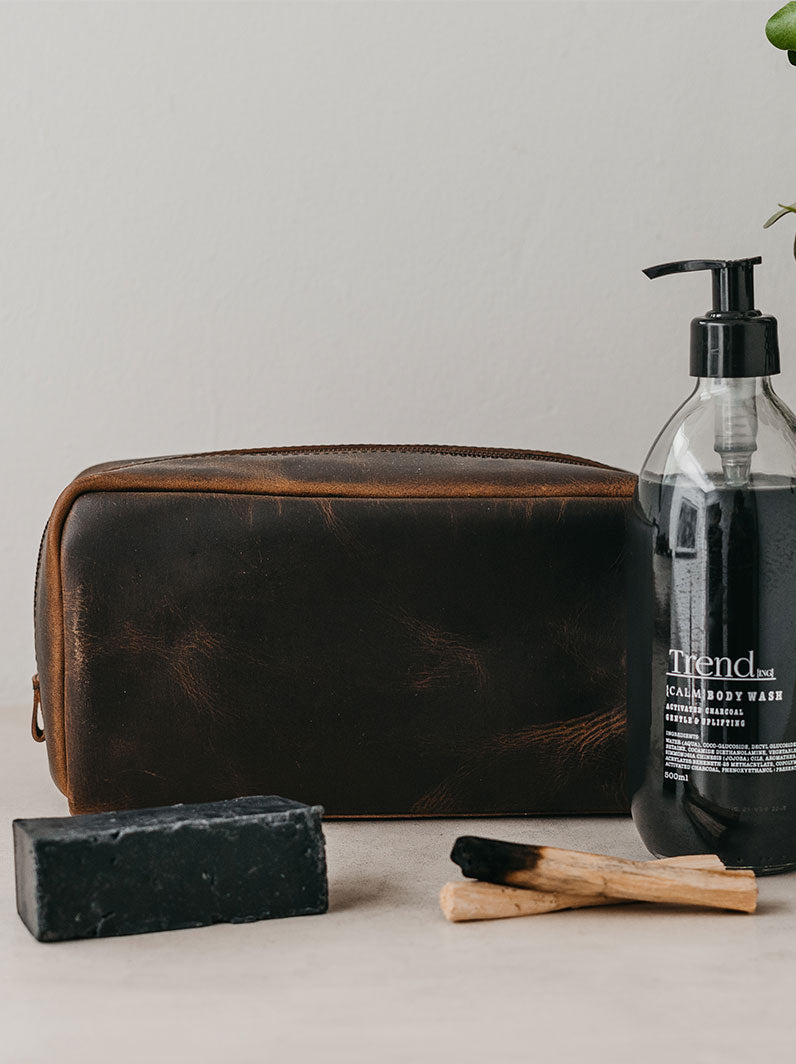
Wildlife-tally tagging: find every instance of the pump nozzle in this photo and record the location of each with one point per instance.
(733, 281)
(734, 343)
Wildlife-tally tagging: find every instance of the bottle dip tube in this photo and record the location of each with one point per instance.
(712, 600)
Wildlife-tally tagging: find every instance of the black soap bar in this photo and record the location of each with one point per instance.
(178, 866)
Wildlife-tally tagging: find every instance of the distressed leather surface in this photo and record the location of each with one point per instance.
(382, 632)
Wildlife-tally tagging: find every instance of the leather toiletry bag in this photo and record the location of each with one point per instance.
(385, 631)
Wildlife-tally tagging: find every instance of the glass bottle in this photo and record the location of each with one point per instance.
(712, 600)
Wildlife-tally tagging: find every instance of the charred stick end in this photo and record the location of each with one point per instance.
(490, 859)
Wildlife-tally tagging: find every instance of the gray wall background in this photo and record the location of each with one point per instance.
(240, 225)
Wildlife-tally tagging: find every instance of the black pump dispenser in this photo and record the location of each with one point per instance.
(733, 339)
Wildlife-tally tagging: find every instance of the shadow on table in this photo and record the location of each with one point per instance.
(366, 892)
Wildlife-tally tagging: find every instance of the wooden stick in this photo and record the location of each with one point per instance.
(470, 899)
(692, 860)
(570, 872)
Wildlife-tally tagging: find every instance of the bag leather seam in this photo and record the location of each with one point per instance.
(489, 453)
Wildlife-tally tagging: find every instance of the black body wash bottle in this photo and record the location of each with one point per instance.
(712, 585)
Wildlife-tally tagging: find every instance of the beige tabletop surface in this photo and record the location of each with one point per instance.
(383, 977)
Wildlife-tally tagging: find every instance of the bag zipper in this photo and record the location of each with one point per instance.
(369, 448)
(36, 730)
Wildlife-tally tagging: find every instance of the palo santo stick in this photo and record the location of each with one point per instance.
(474, 900)
(692, 860)
(571, 872)
(469, 899)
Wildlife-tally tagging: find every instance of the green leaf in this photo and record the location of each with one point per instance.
(792, 58)
(780, 214)
(781, 27)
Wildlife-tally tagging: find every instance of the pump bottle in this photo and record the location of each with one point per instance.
(712, 599)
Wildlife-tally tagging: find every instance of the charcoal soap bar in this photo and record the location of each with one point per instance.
(178, 866)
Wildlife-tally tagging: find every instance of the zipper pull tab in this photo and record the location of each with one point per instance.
(36, 730)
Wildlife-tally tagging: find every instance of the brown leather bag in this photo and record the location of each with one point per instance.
(386, 631)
